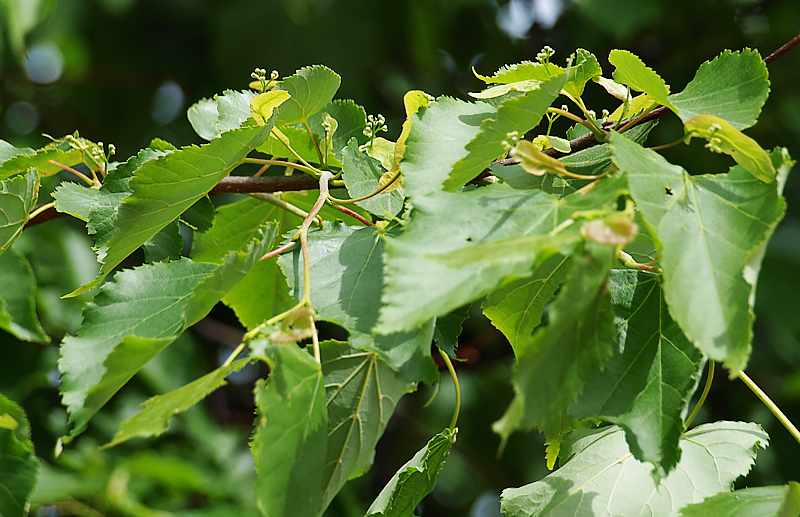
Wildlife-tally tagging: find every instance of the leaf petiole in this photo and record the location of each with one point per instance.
(774, 409)
(456, 385)
(703, 396)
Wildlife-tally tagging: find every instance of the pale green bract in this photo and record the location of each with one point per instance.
(602, 478)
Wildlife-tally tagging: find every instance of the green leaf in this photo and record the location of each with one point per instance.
(156, 412)
(311, 88)
(724, 138)
(352, 120)
(165, 245)
(733, 86)
(212, 117)
(516, 309)
(289, 444)
(584, 69)
(263, 292)
(361, 174)
(524, 71)
(18, 463)
(602, 478)
(163, 188)
(631, 71)
(21, 160)
(448, 329)
(707, 229)
(362, 393)
(414, 480)
(138, 314)
(18, 299)
(199, 216)
(554, 365)
(520, 113)
(646, 385)
(460, 246)
(18, 196)
(439, 135)
(346, 283)
(766, 501)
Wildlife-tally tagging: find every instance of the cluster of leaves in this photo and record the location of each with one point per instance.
(614, 274)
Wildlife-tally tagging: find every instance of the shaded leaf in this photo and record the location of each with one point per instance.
(18, 463)
(156, 412)
(646, 385)
(362, 393)
(289, 443)
(18, 196)
(18, 299)
(361, 174)
(414, 480)
(448, 329)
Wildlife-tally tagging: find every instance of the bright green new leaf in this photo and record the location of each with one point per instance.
(156, 412)
(724, 138)
(264, 104)
(707, 229)
(136, 315)
(524, 71)
(18, 299)
(554, 365)
(602, 478)
(346, 284)
(733, 86)
(460, 246)
(439, 135)
(414, 480)
(631, 71)
(18, 463)
(499, 90)
(311, 89)
(766, 501)
(18, 196)
(646, 385)
(516, 309)
(361, 174)
(212, 117)
(516, 114)
(289, 444)
(362, 393)
(163, 188)
(584, 69)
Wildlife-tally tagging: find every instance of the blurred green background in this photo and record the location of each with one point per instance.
(124, 71)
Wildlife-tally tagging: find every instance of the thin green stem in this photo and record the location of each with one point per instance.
(571, 116)
(667, 145)
(280, 203)
(774, 409)
(703, 396)
(234, 354)
(449, 364)
(285, 141)
(316, 143)
(43, 208)
(78, 174)
(280, 250)
(379, 190)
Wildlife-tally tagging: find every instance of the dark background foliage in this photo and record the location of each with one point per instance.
(124, 71)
